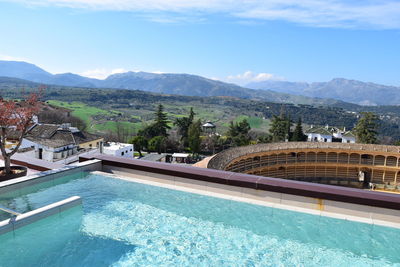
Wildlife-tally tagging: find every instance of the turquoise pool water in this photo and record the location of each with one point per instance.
(129, 224)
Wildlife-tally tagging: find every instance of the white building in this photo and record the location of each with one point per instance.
(52, 142)
(319, 134)
(327, 135)
(118, 149)
(344, 137)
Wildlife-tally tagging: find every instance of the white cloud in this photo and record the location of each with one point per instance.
(383, 14)
(101, 73)
(11, 58)
(248, 76)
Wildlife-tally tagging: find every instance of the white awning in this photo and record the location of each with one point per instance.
(180, 155)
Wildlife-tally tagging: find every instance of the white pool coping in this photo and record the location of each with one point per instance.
(264, 198)
(24, 219)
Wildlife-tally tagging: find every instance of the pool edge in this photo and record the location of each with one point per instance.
(30, 217)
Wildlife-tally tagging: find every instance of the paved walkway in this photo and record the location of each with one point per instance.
(203, 163)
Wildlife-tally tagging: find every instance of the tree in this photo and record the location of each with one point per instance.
(159, 127)
(238, 133)
(281, 127)
(149, 131)
(157, 144)
(266, 138)
(366, 128)
(161, 122)
(139, 143)
(53, 116)
(15, 118)
(183, 125)
(278, 129)
(210, 144)
(122, 132)
(298, 134)
(194, 137)
(288, 125)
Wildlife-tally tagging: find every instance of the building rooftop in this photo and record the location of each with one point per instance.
(349, 134)
(115, 146)
(318, 130)
(55, 136)
(209, 124)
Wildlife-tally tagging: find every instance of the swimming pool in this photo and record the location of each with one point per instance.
(122, 223)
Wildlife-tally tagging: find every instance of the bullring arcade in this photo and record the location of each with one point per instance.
(355, 165)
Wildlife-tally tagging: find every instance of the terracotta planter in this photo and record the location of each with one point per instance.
(23, 171)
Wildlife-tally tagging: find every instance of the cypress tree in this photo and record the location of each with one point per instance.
(194, 137)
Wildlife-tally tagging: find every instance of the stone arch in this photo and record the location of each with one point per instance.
(366, 159)
(379, 160)
(311, 157)
(354, 158)
(343, 157)
(301, 157)
(391, 161)
(321, 157)
(332, 157)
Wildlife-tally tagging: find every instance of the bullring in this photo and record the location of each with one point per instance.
(353, 165)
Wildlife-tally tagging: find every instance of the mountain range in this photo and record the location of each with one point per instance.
(321, 93)
(177, 84)
(357, 92)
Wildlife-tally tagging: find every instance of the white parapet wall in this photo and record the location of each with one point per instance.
(21, 220)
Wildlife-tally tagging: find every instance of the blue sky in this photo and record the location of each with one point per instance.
(238, 41)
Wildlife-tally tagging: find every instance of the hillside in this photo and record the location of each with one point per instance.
(178, 84)
(352, 91)
(107, 110)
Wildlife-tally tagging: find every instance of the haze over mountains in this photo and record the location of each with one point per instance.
(192, 85)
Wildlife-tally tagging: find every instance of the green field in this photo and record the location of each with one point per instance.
(112, 126)
(256, 123)
(85, 112)
(80, 110)
(112, 123)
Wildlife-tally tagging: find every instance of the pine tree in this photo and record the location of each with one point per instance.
(298, 134)
(366, 128)
(238, 133)
(161, 122)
